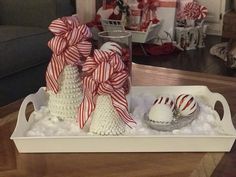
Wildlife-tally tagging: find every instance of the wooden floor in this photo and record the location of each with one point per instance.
(199, 60)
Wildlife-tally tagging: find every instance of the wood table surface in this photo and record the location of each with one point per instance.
(14, 164)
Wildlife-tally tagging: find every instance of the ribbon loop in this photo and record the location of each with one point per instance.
(84, 48)
(58, 27)
(149, 8)
(71, 21)
(89, 66)
(72, 55)
(57, 45)
(101, 56)
(115, 62)
(73, 36)
(105, 88)
(118, 79)
(102, 72)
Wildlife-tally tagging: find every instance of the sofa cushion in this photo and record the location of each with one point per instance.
(22, 47)
(37, 13)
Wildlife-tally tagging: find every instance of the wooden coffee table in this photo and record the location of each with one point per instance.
(13, 164)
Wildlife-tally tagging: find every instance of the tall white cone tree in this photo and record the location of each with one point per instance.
(69, 45)
(64, 104)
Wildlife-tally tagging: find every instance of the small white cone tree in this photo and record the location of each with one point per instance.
(105, 119)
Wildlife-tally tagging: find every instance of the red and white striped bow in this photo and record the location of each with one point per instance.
(149, 8)
(69, 45)
(105, 74)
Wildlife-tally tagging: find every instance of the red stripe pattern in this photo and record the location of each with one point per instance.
(194, 11)
(202, 12)
(149, 9)
(186, 104)
(165, 100)
(104, 74)
(69, 45)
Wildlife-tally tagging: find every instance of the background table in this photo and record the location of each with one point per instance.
(13, 164)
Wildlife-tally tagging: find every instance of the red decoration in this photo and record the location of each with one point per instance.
(154, 49)
(109, 10)
(194, 11)
(105, 75)
(149, 8)
(69, 46)
(202, 12)
(165, 100)
(191, 10)
(125, 56)
(186, 105)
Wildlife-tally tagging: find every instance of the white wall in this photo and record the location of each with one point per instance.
(217, 9)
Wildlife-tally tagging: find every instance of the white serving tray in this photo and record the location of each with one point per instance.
(145, 143)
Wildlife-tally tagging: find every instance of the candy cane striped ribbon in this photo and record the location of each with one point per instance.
(149, 12)
(62, 25)
(106, 74)
(68, 46)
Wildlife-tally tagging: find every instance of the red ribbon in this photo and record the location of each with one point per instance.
(105, 74)
(149, 8)
(69, 45)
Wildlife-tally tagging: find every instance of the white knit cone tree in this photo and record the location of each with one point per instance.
(105, 119)
(64, 104)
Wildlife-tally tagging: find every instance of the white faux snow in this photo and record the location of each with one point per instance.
(43, 124)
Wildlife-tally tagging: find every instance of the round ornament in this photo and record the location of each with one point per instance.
(166, 101)
(162, 110)
(185, 105)
(111, 47)
(161, 114)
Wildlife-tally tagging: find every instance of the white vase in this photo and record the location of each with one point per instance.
(105, 119)
(64, 104)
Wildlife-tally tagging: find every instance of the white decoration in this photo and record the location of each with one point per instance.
(161, 114)
(165, 100)
(105, 119)
(64, 104)
(186, 105)
(111, 47)
(189, 38)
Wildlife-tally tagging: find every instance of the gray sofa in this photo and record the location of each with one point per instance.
(24, 53)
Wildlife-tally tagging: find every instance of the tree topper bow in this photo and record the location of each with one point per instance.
(69, 45)
(105, 74)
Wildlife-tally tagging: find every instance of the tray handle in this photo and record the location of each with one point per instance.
(226, 120)
(38, 100)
